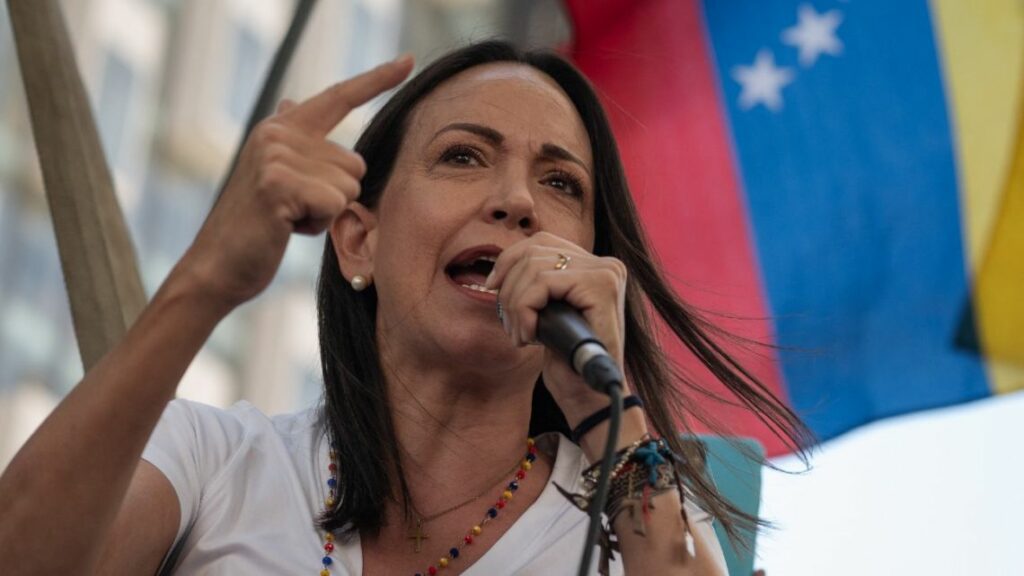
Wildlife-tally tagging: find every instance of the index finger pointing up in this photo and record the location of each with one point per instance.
(321, 113)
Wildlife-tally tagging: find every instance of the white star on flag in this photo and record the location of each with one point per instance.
(762, 83)
(814, 34)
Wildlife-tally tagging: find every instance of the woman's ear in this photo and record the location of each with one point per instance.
(354, 235)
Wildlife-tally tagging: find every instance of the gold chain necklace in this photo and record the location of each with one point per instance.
(420, 520)
(523, 467)
(492, 513)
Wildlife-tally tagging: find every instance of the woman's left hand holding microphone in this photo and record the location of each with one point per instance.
(545, 267)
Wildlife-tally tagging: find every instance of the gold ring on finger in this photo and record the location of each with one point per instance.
(563, 262)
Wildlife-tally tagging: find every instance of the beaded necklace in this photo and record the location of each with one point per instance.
(332, 495)
(453, 553)
(421, 521)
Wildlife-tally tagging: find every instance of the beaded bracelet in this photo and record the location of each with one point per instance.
(647, 475)
(590, 422)
(642, 470)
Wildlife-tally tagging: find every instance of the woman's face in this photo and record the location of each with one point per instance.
(494, 155)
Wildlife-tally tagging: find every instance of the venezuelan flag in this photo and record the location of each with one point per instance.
(842, 179)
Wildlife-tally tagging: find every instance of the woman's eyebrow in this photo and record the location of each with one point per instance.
(559, 153)
(485, 132)
(496, 138)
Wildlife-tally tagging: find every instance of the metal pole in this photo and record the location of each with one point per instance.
(96, 253)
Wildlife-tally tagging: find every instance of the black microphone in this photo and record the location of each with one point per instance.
(562, 328)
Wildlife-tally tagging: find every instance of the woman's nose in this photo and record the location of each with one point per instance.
(514, 206)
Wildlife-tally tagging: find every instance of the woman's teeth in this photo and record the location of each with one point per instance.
(480, 288)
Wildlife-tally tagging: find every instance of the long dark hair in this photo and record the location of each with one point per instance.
(356, 413)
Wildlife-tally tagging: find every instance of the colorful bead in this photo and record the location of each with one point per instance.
(506, 496)
(329, 501)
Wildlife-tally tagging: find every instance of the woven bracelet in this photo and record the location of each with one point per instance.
(601, 415)
(642, 471)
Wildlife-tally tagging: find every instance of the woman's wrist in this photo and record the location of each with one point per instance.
(590, 422)
(193, 281)
(634, 427)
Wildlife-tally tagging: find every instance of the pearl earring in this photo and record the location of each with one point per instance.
(359, 282)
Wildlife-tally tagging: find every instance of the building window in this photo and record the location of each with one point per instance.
(116, 96)
(250, 58)
(6, 43)
(372, 37)
(361, 33)
(34, 313)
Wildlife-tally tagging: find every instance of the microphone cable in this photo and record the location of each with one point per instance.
(597, 505)
(561, 327)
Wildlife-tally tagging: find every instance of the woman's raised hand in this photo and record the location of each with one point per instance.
(289, 178)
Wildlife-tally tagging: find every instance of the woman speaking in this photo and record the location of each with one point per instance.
(448, 440)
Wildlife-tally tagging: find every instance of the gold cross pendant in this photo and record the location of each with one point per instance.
(419, 536)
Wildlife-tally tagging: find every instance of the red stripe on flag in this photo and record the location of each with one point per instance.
(650, 62)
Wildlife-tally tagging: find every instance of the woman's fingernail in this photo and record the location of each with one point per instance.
(490, 278)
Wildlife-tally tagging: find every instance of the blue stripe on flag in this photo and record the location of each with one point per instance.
(846, 157)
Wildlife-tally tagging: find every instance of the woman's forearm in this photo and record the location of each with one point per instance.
(61, 493)
(663, 550)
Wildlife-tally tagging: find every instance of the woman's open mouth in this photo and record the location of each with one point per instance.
(471, 268)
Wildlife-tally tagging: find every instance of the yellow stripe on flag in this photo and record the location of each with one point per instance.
(999, 285)
(982, 47)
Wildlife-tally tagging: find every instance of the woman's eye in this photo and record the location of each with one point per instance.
(462, 156)
(566, 183)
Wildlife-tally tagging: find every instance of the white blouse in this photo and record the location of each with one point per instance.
(250, 487)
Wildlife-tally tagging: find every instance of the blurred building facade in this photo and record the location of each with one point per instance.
(172, 83)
